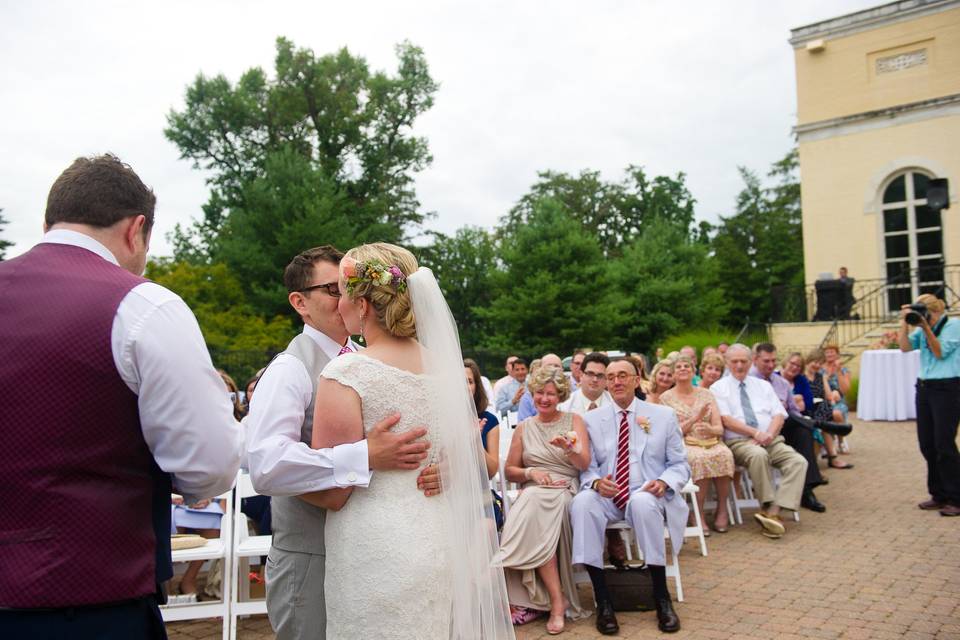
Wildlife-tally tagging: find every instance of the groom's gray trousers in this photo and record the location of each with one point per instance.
(295, 571)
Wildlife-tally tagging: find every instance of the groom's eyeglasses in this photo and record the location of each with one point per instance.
(332, 289)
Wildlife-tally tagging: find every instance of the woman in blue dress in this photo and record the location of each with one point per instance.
(489, 431)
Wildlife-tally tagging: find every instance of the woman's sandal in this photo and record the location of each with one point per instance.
(554, 627)
(830, 464)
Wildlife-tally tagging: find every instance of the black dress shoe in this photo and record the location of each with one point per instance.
(606, 620)
(809, 501)
(667, 619)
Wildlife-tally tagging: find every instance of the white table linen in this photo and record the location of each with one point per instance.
(888, 380)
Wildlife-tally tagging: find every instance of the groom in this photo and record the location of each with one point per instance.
(283, 465)
(637, 468)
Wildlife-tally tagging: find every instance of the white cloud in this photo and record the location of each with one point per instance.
(699, 87)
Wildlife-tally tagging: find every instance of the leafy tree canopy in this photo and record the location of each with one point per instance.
(4, 244)
(322, 152)
(615, 212)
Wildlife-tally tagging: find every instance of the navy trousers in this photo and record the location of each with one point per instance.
(133, 620)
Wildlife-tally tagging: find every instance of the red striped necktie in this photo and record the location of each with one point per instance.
(622, 475)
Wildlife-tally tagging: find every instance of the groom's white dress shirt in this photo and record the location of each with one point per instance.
(280, 464)
(185, 414)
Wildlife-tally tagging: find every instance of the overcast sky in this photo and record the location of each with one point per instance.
(699, 87)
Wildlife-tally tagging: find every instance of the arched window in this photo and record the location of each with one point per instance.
(912, 240)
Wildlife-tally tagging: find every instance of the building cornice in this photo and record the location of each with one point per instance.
(867, 19)
(879, 118)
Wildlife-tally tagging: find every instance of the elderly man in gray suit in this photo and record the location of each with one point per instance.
(638, 467)
(283, 465)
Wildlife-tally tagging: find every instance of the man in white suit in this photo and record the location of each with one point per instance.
(638, 467)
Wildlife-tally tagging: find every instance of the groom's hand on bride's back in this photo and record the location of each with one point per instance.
(388, 450)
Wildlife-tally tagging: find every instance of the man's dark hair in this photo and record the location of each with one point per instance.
(297, 275)
(518, 361)
(595, 356)
(99, 191)
(765, 347)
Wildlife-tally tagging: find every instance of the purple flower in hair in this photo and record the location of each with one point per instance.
(397, 274)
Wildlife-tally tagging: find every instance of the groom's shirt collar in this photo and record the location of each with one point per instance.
(77, 239)
(329, 346)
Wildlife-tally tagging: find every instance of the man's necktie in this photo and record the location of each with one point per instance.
(622, 475)
(748, 415)
(593, 405)
(345, 349)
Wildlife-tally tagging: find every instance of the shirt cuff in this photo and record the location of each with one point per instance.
(351, 466)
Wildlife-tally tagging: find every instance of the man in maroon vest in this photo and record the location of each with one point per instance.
(111, 402)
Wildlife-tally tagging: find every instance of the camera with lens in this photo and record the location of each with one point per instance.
(917, 312)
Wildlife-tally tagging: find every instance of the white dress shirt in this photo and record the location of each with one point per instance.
(580, 404)
(280, 464)
(185, 414)
(763, 399)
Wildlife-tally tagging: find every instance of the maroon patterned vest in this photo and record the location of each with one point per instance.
(78, 484)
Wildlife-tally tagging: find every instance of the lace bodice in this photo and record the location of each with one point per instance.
(386, 573)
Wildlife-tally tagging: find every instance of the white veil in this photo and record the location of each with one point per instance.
(479, 593)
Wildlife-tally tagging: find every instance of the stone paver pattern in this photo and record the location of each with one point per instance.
(873, 567)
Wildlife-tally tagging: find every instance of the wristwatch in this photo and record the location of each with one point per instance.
(595, 484)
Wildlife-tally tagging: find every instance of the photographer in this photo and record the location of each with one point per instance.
(938, 397)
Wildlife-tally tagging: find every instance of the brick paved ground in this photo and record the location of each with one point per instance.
(872, 567)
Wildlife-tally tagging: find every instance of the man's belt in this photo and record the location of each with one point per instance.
(939, 383)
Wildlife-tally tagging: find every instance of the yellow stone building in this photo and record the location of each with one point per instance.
(878, 116)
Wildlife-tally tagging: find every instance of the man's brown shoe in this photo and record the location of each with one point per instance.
(773, 524)
(931, 505)
(950, 510)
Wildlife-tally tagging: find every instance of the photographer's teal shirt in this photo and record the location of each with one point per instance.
(947, 366)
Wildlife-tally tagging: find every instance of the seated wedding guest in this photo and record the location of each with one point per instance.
(547, 454)
(797, 431)
(661, 379)
(637, 470)
(203, 518)
(791, 369)
(722, 348)
(508, 397)
(526, 408)
(592, 393)
(707, 351)
(249, 387)
(752, 417)
(822, 408)
(505, 379)
(489, 430)
(708, 456)
(839, 378)
(691, 352)
(711, 369)
(576, 369)
(234, 391)
(640, 363)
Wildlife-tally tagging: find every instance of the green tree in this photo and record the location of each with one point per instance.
(324, 147)
(216, 297)
(614, 212)
(761, 245)
(463, 264)
(548, 295)
(4, 244)
(664, 282)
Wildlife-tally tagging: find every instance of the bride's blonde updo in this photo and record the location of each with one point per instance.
(390, 303)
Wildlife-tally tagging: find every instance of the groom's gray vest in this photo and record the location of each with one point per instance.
(297, 525)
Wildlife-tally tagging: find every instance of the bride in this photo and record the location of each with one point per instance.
(398, 564)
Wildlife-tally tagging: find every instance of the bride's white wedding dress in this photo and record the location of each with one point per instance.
(387, 568)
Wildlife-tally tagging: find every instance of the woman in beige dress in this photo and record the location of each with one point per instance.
(547, 454)
(699, 418)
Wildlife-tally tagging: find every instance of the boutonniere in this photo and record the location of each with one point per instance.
(644, 423)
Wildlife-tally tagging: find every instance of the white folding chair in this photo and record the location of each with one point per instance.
(690, 491)
(750, 501)
(216, 548)
(508, 490)
(245, 547)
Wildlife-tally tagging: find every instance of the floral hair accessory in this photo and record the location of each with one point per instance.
(644, 423)
(374, 272)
